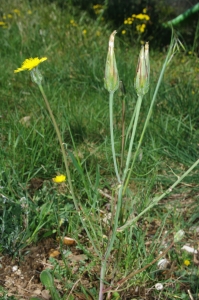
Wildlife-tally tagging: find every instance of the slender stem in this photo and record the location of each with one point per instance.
(112, 135)
(77, 206)
(119, 283)
(168, 57)
(110, 243)
(130, 125)
(155, 200)
(138, 106)
(102, 276)
(123, 134)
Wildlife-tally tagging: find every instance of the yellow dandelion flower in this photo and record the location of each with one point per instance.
(186, 262)
(125, 21)
(2, 23)
(147, 18)
(29, 12)
(30, 64)
(144, 11)
(140, 16)
(16, 11)
(130, 22)
(59, 178)
(9, 16)
(72, 21)
(123, 31)
(142, 28)
(84, 31)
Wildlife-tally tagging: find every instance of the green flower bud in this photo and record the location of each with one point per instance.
(179, 236)
(111, 80)
(143, 71)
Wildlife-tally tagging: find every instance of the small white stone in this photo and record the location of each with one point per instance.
(158, 286)
(163, 263)
(14, 268)
(189, 249)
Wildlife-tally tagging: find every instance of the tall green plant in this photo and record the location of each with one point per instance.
(123, 176)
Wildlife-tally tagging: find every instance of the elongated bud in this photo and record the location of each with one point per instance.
(143, 71)
(178, 236)
(36, 76)
(111, 80)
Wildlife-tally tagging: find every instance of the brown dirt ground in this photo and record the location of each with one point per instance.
(21, 276)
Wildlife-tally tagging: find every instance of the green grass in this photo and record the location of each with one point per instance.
(73, 82)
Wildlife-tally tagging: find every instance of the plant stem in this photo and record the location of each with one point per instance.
(102, 276)
(119, 283)
(112, 135)
(155, 200)
(123, 134)
(168, 57)
(138, 106)
(110, 243)
(77, 206)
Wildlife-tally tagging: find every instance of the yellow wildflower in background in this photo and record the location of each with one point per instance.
(30, 64)
(97, 8)
(84, 31)
(9, 16)
(141, 28)
(16, 11)
(144, 11)
(59, 179)
(72, 22)
(123, 31)
(186, 262)
(2, 23)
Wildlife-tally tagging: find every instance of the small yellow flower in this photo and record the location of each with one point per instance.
(2, 23)
(125, 21)
(144, 11)
(29, 12)
(123, 31)
(98, 33)
(59, 179)
(186, 262)
(140, 16)
(30, 64)
(9, 16)
(17, 11)
(84, 31)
